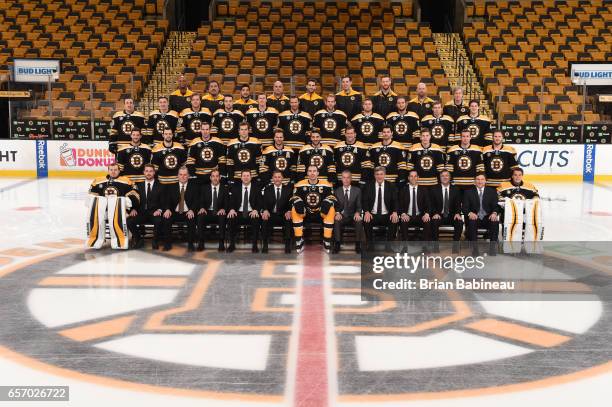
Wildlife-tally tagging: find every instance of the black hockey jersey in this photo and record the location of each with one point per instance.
(421, 107)
(274, 159)
(295, 126)
(157, 123)
(428, 162)
(331, 125)
(455, 111)
(120, 186)
(227, 123)
(190, 124)
(178, 101)
(354, 158)
(243, 155)
(349, 102)
(525, 190)
(368, 127)
(205, 156)
(121, 128)
(313, 195)
(167, 161)
(498, 164)
(211, 102)
(464, 164)
(132, 159)
(263, 124)
(479, 128)
(442, 129)
(280, 104)
(245, 104)
(405, 127)
(311, 103)
(384, 103)
(321, 157)
(391, 156)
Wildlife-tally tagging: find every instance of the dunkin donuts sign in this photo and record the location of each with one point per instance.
(80, 156)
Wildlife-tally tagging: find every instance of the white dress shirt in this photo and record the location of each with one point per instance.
(384, 207)
(242, 188)
(413, 189)
(177, 205)
(212, 194)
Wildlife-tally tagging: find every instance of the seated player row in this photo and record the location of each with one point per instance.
(206, 153)
(378, 203)
(296, 116)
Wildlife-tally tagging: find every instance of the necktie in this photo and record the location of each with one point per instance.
(182, 200)
(148, 194)
(379, 203)
(445, 205)
(414, 202)
(481, 212)
(245, 203)
(346, 199)
(277, 199)
(215, 198)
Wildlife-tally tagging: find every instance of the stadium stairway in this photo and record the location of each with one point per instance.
(459, 69)
(170, 65)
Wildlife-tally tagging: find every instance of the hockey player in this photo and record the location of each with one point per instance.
(295, 124)
(405, 124)
(132, 157)
(227, 120)
(317, 154)
(311, 102)
(206, 153)
(181, 97)
(427, 159)
(352, 155)
(457, 107)
(159, 120)
(122, 124)
(464, 161)
(385, 99)
(213, 100)
(263, 120)
(191, 120)
(421, 104)
(245, 102)
(478, 125)
(313, 200)
(277, 100)
(390, 155)
(243, 153)
(516, 187)
(441, 127)
(348, 100)
(278, 157)
(499, 160)
(168, 157)
(368, 124)
(330, 121)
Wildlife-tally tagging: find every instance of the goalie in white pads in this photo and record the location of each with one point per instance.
(112, 198)
(522, 209)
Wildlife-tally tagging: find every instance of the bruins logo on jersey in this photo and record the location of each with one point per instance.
(330, 124)
(136, 160)
(207, 154)
(127, 126)
(262, 124)
(171, 161)
(313, 199)
(227, 124)
(464, 162)
(244, 155)
(347, 158)
(367, 128)
(316, 160)
(281, 163)
(474, 130)
(401, 128)
(195, 125)
(295, 126)
(519, 196)
(497, 164)
(384, 159)
(426, 162)
(161, 125)
(111, 190)
(437, 131)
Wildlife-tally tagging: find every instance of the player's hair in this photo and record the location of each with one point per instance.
(518, 169)
(184, 168)
(228, 96)
(456, 88)
(277, 172)
(386, 126)
(330, 96)
(135, 129)
(161, 97)
(245, 85)
(349, 127)
(149, 165)
(211, 82)
(498, 131)
(294, 97)
(262, 94)
(425, 130)
(367, 100)
(205, 124)
(196, 94)
(465, 131)
(346, 77)
(315, 130)
(436, 102)
(115, 164)
(379, 169)
(278, 130)
(400, 97)
(312, 80)
(474, 101)
(385, 76)
(168, 128)
(243, 124)
(312, 166)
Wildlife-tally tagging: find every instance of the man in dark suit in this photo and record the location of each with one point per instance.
(244, 206)
(149, 210)
(445, 200)
(380, 206)
(213, 198)
(276, 210)
(349, 212)
(481, 209)
(414, 208)
(181, 204)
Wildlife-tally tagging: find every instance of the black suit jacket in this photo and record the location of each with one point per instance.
(390, 197)
(172, 195)
(269, 199)
(206, 196)
(489, 201)
(436, 200)
(405, 196)
(154, 198)
(354, 201)
(235, 198)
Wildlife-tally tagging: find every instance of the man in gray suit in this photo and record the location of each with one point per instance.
(349, 212)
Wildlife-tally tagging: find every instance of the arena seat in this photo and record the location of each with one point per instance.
(101, 41)
(532, 42)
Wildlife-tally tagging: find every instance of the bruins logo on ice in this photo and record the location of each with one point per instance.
(158, 326)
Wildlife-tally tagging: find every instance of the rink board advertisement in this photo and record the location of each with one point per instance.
(88, 158)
